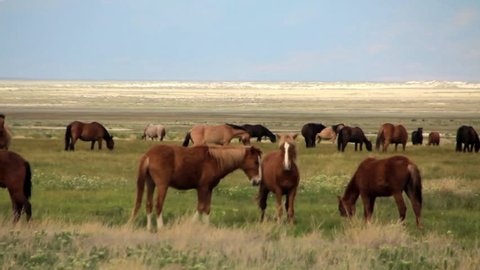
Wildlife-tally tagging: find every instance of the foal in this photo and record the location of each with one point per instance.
(280, 175)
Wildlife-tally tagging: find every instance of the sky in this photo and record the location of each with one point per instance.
(246, 40)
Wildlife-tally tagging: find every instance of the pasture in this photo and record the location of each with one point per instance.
(81, 200)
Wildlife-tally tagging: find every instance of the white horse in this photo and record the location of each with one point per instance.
(153, 131)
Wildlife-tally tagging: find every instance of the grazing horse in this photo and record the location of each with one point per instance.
(355, 135)
(327, 133)
(467, 136)
(309, 131)
(259, 131)
(280, 175)
(199, 167)
(93, 132)
(434, 138)
(382, 178)
(153, 131)
(417, 136)
(220, 134)
(16, 176)
(388, 133)
(5, 135)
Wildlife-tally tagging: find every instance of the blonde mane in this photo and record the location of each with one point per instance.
(227, 157)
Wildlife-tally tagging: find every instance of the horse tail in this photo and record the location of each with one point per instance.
(68, 136)
(27, 183)
(340, 141)
(416, 181)
(188, 137)
(380, 139)
(141, 179)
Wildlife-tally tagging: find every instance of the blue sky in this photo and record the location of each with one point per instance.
(240, 40)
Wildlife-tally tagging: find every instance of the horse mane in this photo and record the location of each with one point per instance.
(107, 135)
(227, 156)
(236, 127)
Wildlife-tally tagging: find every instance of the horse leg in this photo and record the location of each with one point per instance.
(161, 194)
(396, 145)
(356, 144)
(290, 200)
(361, 146)
(99, 144)
(259, 139)
(150, 189)
(92, 145)
(27, 207)
(368, 203)
(72, 143)
(385, 146)
(262, 200)
(278, 197)
(402, 209)
(404, 144)
(207, 204)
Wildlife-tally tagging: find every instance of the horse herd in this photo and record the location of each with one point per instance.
(211, 158)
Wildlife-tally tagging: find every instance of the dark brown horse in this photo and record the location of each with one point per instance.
(5, 135)
(468, 137)
(199, 167)
(434, 138)
(280, 175)
(93, 132)
(16, 176)
(355, 135)
(388, 133)
(218, 134)
(381, 178)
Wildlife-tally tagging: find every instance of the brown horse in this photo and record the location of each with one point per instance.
(280, 175)
(382, 178)
(327, 133)
(388, 133)
(200, 167)
(5, 135)
(16, 176)
(220, 134)
(93, 132)
(434, 138)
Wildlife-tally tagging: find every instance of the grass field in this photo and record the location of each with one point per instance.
(82, 200)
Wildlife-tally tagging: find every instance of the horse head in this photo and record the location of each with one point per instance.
(287, 146)
(110, 142)
(252, 164)
(346, 209)
(368, 145)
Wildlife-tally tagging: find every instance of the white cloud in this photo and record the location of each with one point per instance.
(465, 17)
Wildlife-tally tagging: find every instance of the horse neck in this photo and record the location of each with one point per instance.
(351, 192)
(226, 159)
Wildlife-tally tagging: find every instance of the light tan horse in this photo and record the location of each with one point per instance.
(5, 134)
(220, 134)
(280, 175)
(199, 167)
(326, 134)
(154, 131)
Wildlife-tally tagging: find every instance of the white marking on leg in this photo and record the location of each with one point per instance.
(159, 221)
(195, 216)
(149, 221)
(286, 161)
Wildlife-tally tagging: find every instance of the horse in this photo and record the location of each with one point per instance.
(382, 178)
(153, 131)
(199, 167)
(327, 133)
(355, 135)
(309, 131)
(417, 136)
(5, 134)
(16, 176)
(280, 175)
(434, 138)
(467, 136)
(388, 133)
(259, 131)
(93, 132)
(219, 134)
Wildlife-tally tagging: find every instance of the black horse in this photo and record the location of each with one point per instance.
(467, 136)
(355, 135)
(309, 131)
(259, 131)
(417, 136)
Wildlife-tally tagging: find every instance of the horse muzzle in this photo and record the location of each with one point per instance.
(255, 180)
